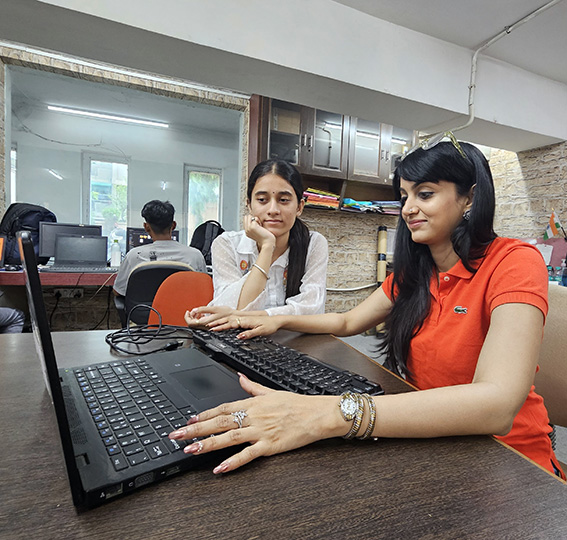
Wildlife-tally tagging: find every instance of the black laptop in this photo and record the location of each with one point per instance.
(77, 253)
(114, 417)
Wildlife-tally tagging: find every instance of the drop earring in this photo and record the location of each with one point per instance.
(467, 215)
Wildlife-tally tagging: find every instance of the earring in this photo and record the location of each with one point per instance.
(467, 215)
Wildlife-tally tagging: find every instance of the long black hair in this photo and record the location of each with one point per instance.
(299, 233)
(413, 263)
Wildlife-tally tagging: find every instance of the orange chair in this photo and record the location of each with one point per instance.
(178, 293)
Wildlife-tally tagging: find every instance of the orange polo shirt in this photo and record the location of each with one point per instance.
(445, 351)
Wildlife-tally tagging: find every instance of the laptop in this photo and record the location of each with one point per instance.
(74, 253)
(114, 417)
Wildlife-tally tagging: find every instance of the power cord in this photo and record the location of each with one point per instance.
(144, 334)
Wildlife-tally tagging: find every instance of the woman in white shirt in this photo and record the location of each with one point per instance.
(274, 266)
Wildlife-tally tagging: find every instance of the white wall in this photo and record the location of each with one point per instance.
(291, 50)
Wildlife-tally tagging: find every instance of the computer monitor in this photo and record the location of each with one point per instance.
(137, 236)
(48, 234)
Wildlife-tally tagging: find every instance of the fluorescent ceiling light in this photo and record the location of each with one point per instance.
(56, 174)
(399, 141)
(104, 116)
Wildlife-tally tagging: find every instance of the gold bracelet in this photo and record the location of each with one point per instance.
(261, 270)
(372, 421)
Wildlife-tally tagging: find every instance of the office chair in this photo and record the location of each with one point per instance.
(551, 379)
(178, 293)
(142, 286)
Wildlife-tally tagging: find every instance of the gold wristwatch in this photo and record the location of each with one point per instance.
(352, 408)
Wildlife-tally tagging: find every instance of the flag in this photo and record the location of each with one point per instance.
(553, 227)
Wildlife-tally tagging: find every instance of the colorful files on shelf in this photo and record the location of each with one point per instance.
(320, 199)
(380, 207)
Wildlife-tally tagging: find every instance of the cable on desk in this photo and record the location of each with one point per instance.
(144, 334)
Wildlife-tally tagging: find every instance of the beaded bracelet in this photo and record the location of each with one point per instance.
(261, 270)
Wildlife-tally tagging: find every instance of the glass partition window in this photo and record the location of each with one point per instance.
(81, 154)
(108, 199)
(203, 197)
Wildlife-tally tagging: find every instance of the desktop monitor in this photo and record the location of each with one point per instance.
(48, 234)
(137, 236)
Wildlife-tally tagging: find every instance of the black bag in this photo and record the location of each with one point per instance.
(23, 217)
(203, 237)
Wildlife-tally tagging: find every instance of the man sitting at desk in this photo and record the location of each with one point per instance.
(159, 224)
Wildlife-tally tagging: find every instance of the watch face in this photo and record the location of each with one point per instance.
(348, 407)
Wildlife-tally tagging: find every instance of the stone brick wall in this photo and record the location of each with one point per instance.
(353, 252)
(528, 186)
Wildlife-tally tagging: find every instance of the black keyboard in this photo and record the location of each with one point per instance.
(279, 367)
(81, 269)
(132, 414)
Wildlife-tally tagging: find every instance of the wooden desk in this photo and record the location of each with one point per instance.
(451, 488)
(63, 279)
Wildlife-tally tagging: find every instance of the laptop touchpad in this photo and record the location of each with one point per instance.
(205, 382)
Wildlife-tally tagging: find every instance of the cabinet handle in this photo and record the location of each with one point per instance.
(304, 140)
(387, 155)
(382, 155)
(310, 142)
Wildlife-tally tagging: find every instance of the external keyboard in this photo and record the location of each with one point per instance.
(280, 367)
(81, 269)
(132, 413)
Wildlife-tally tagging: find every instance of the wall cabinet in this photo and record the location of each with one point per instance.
(315, 141)
(350, 156)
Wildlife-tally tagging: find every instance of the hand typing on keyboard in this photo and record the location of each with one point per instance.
(271, 421)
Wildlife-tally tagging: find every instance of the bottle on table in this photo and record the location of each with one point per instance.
(115, 254)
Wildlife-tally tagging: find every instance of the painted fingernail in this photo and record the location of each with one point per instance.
(176, 434)
(193, 419)
(223, 467)
(194, 448)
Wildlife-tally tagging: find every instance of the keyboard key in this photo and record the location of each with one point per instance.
(138, 458)
(119, 463)
(157, 450)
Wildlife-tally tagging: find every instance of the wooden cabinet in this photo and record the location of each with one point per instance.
(350, 156)
(313, 140)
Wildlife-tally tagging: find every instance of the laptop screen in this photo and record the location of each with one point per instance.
(81, 250)
(49, 231)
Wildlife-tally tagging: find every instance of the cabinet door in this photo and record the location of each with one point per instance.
(369, 151)
(324, 150)
(402, 140)
(284, 136)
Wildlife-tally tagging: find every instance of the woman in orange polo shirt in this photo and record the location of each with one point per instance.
(464, 312)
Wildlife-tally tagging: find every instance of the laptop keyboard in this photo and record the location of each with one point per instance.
(282, 368)
(81, 269)
(132, 413)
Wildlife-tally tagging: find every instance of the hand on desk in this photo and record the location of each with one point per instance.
(271, 421)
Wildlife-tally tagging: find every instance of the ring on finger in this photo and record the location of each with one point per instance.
(238, 416)
(238, 321)
(253, 218)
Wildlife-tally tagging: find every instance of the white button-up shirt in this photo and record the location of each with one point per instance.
(233, 255)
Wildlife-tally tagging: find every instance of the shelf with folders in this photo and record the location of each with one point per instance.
(391, 208)
(317, 198)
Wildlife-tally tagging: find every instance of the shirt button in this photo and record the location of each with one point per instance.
(446, 278)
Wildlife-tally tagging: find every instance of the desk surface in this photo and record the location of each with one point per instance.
(61, 279)
(462, 487)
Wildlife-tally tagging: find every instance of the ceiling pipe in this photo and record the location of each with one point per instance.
(472, 86)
